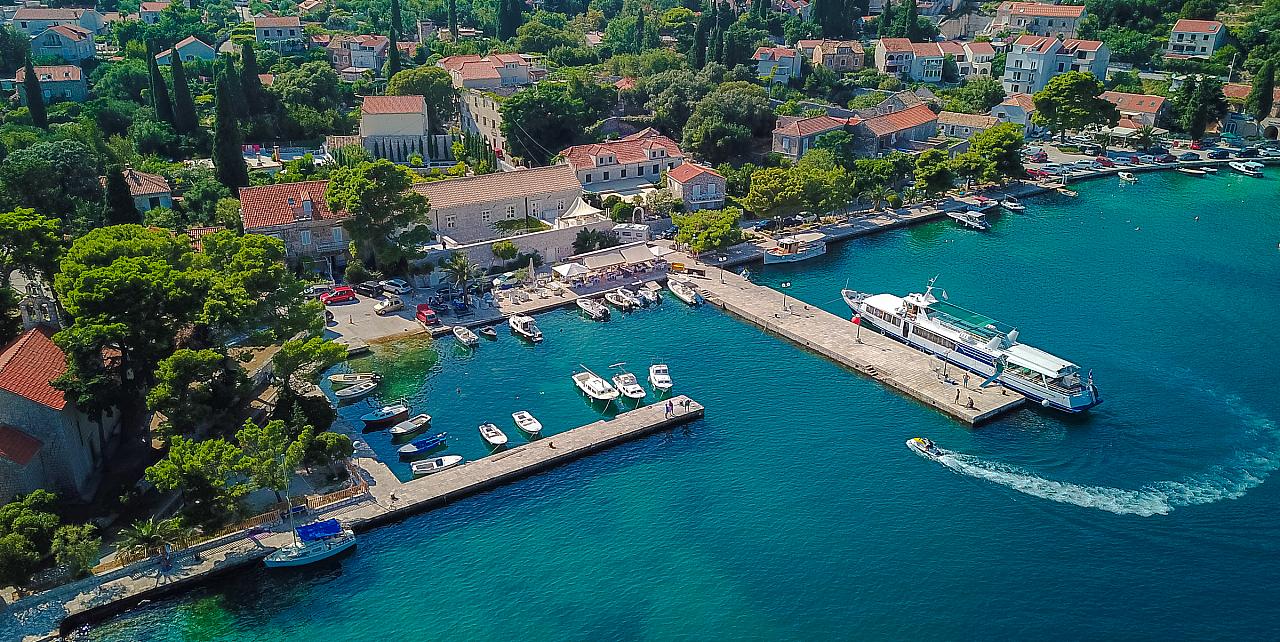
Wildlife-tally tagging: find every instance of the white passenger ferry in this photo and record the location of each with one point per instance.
(978, 344)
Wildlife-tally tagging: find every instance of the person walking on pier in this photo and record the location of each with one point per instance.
(966, 382)
(957, 395)
(670, 409)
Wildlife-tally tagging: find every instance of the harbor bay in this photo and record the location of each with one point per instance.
(794, 511)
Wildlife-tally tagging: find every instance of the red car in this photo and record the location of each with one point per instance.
(1037, 173)
(427, 316)
(1195, 144)
(339, 294)
(1104, 161)
(1040, 157)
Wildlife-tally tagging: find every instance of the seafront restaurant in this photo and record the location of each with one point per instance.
(613, 266)
(1122, 134)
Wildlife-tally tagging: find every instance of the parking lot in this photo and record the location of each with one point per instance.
(1045, 160)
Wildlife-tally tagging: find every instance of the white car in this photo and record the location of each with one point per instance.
(1146, 159)
(388, 305)
(1122, 161)
(1270, 153)
(395, 286)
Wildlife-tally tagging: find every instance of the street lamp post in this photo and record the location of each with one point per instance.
(783, 286)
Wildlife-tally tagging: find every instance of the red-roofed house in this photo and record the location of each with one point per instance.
(33, 20)
(1241, 124)
(923, 61)
(189, 49)
(1017, 109)
(297, 214)
(620, 165)
(45, 441)
(149, 12)
(391, 127)
(698, 186)
(1142, 108)
(283, 33)
(68, 42)
(1196, 38)
(836, 55)
(896, 129)
(1033, 60)
(488, 72)
(798, 8)
(361, 52)
(149, 190)
(1056, 20)
(57, 82)
(793, 136)
(894, 56)
(778, 64)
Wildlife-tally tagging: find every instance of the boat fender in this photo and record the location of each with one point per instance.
(1044, 402)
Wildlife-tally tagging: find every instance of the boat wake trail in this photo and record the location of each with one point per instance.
(1228, 480)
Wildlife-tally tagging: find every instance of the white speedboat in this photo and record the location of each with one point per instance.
(594, 386)
(312, 543)
(617, 300)
(428, 466)
(493, 435)
(357, 391)
(632, 298)
(465, 336)
(1127, 177)
(593, 309)
(1209, 169)
(526, 422)
(1012, 204)
(797, 247)
(410, 425)
(627, 384)
(1244, 168)
(684, 292)
(660, 377)
(652, 292)
(1191, 171)
(924, 447)
(352, 378)
(385, 414)
(524, 327)
(973, 218)
(976, 343)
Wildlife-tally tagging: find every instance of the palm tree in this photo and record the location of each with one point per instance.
(1145, 136)
(145, 537)
(878, 194)
(461, 271)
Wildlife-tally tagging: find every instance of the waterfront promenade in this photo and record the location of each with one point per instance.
(41, 617)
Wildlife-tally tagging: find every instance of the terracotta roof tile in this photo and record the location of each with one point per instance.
(684, 172)
(393, 105)
(70, 31)
(809, 126)
(41, 13)
(966, 120)
(486, 188)
(897, 121)
(773, 53)
(980, 48)
(267, 22)
(1135, 102)
(632, 149)
(1197, 26)
(29, 364)
(51, 73)
(1037, 10)
(895, 45)
(153, 7)
(141, 183)
(1025, 101)
(17, 446)
(272, 205)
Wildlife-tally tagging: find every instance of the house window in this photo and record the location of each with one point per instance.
(588, 178)
(153, 202)
(655, 169)
(486, 215)
(511, 211)
(305, 237)
(560, 204)
(639, 170)
(534, 206)
(606, 176)
(623, 173)
(451, 220)
(337, 235)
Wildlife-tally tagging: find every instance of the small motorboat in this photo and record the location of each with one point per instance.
(635, 301)
(357, 391)
(493, 435)
(684, 292)
(352, 378)
(925, 447)
(797, 247)
(526, 422)
(617, 300)
(428, 466)
(626, 383)
(650, 292)
(1012, 204)
(419, 446)
(593, 309)
(312, 543)
(972, 217)
(1191, 171)
(488, 332)
(594, 386)
(1127, 177)
(465, 336)
(410, 425)
(660, 377)
(524, 327)
(386, 414)
(1244, 168)
(1209, 169)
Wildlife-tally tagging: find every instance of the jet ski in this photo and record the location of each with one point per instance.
(924, 447)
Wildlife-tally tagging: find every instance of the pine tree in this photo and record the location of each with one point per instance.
(1262, 95)
(159, 92)
(185, 120)
(453, 19)
(1183, 99)
(255, 97)
(118, 207)
(228, 156)
(640, 39)
(35, 97)
(886, 24)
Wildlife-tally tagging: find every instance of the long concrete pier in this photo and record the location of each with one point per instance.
(47, 615)
(868, 352)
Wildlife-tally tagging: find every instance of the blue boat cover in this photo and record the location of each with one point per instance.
(319, 530)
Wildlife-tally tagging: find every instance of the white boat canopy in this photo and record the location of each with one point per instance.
(570, 270)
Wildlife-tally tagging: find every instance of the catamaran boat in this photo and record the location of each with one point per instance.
(594, 386)
(1245, 169)
(797, 247)
(493, 435)
(352, 378)
(593, 309)
(616, 299)
(357, 391)
(978, 344)
(1012, 204)
(1127, 177)
(924, 447)
(630, 296)
(385, 415)
(660, 377)
(410, 426)
(684, 291)
(465, 336)
(526, 422)
(428, 466)
(525, 327)
(419, 446)
(971, 217)
(312, 543)
(627, 384)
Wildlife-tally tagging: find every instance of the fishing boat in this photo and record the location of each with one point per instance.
(385, 415)
(797, 247)
(924, 447)
(1191, 171)
(352, 378)
(594, 386)
(1244, 168)
(357, 391)
(419, 446)
(1127, 177)
(410, 425)
(524, 327)
(526, 422)
(972, 218)
(977, 343)
(311, 543)
(593, 309)
(1012, 204)
(635, 301)
(684, 292)
(660, 377)
(626, 383)
(617, 300)
(488, 332)
(428, 466)
(493, 435)
(465, 336)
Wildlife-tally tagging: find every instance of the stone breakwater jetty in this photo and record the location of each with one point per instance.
(47, 615)
(868, 352)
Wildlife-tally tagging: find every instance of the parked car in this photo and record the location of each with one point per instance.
(1156, 150)
(1189, 156)
(1248, 152)
(1038, 157)
(1271, 153)
(1195, 144)
(368, 288)
(1090, 149)
(1122, 161)
(1219, 154)
(318, 290)
(388, 305)
(426, 316)
(1146, 159)
(395, 286)
(1037, 173)
(1104, 161)
(340, 294)
(1166, 158)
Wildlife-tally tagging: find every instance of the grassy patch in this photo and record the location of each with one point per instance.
(519, 226)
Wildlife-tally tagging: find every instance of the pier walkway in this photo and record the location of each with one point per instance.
(41, 617)
(868, 352)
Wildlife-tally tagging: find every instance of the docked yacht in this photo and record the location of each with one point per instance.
(594, 386)
(978, 344)
(660, 378)
(971, 217)
(593, 309)
(627, 384)
(312, 543)
(525, 327)
(1245, 168)
(797, 247)
(1012, 204)
(684, 291)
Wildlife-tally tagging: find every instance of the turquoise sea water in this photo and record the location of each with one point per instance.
(794, 511)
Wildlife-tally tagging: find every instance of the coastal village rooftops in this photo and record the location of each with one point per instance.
(142, 183)
(153, 7)
(976, 121)
(809, 126)
(1037, 10)
(393, 105)
(635, 148)
(50, 73)
(830, 46)
(896, 45)
(29, 364)
(1072, 45)
(1240, 91)
(181, 43)
(773, 53)
(458, 192)
(271, 22)
(1198, 26)
(71, 32)
(1042, 44)
(1024, 101)
(685, 172)
(980, 48)
(272, 205)
(913, 116)
(1141, 103)
(42, 13)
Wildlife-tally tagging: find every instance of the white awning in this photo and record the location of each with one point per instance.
(637, 254)
(603, 260)
(569, 270)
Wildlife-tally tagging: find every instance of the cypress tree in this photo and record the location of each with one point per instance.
(234, 88)
(885, 27)
(909, 21)
(118, 207)
(35, 97)
(453, 19)
(640, 39)
(1261, 96)
(758, 9)
(699, 52)
(185, 120)
(509, 18)
(254, 96)
(228, 156)
(393, 56)
(395, 17)
(159, 92)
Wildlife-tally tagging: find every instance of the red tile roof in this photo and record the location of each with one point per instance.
(153, 7)
(41, 13)
(1037, 10)
(895, 45)
(50, 73)
(773, 53)
(273, 205)
(1240, 91)
(632, 149)
(1025, 101)
(625, 83)
(897, 121)
(393, 105)
(141, 183)
(475, 67)
(685, 172)
(28, 365)
(266, 79)
(1073, 45)
(809, 126)
(272, 22)
(967, 120)
(197, 234)
(70, 31)
(1197, 26)
(980, 48)
(1135, 102)
(1035, 43)
(487, 188)
(17, 446)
